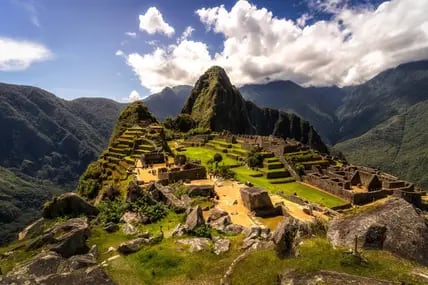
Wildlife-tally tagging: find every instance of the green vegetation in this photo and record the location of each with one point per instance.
(317, 254)
(21, 201)
(397, 146)
(311, 194)
(205, 154)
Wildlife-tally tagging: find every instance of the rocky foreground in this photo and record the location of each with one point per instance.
(57, 251)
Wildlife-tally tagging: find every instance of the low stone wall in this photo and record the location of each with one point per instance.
(413, 198)
(187, 174)
(368, 197)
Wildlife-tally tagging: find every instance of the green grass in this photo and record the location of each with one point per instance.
(317, 254)
(311, 194)
(170, 263)
(205, 154)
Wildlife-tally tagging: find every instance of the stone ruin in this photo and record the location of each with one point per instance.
(361, 185)
(258, 201)
(188, 171)
(152, 157)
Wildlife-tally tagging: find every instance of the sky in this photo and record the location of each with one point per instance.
(128, 49)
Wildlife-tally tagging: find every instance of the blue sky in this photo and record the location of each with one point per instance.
(79, 48)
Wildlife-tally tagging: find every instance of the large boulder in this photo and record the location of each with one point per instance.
(32, 230)
(67, 238)
(219, 219)
(70, 205)
(70, 237)
(165, 194)
(327, 277)
(134, 218)
(195, 244)
(195, 218)
(221, 245)
(202, 191)
(395, 226)
(286, 237)
(258, 201)
(132, 245)
(50, 268)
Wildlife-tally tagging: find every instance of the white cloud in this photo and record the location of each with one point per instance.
(350, 48)
(19, 55)
(120, 53)
(131, 34)
(187, 33)
(134, 96)
(152, 22)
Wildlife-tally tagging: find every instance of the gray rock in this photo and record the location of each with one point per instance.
(180, 230)
(111, 227)
(67, 239)
(81, 261)
(201, 190)
(216, 214)
(85, 276)
(327, 277)
(32, 230)
(221, 223)
(233, 229)
(252, 232)
(396, 223)
(195, 244)
(286, 237)
(221, 245)
(129, 229)
(132, 218)
(70, 237)
(70, 205)
(132, 245)
(195, 218)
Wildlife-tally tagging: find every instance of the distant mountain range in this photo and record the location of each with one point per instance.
(354, 119)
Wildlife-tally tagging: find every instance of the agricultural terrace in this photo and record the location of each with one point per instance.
(273, 176)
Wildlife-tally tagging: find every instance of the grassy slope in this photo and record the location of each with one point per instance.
(397, 145)
(317, 254)
(204, 154)
(21, 200)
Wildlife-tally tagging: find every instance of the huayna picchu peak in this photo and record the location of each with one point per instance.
(215, 104)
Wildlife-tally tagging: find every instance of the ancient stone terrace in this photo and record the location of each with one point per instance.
(361, 185)
(118, 160)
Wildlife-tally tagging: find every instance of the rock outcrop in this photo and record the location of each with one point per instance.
(70, 205)
(216, 104)
(132, 245)
(327, 277)
(195, 244)
(67, 239)
(219, 219)
(286, 237)
(195, 218)
(258, 201)
(394, 226)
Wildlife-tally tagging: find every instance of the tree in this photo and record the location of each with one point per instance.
(217, 158)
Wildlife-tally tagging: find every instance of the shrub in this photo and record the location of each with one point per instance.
(202, 231)
(112, 211)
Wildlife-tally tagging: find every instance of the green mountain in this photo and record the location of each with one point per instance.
(216, 104)
(21, 200)
(136, 131)
(46, 137)
(388, 94)
(398, 145)
(315, 104)
(45, 145)
(168, 102)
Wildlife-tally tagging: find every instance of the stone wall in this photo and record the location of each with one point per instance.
(198, 172)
